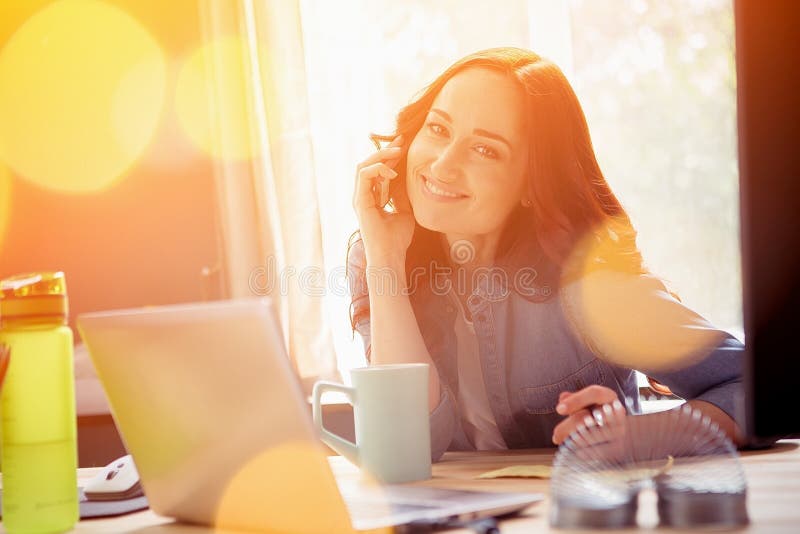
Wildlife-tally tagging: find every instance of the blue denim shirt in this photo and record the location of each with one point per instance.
(535, 342)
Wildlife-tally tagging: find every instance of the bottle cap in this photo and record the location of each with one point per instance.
(35, 297)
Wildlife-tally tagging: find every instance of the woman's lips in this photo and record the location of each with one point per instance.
(437, 193)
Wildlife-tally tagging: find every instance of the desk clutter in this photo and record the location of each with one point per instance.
(38, 405)
(114, 490)
(597, 476)
(681, 455)
(97, 509)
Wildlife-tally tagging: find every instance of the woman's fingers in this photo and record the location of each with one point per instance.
(375, 169)
(386, 155)
(397, 141)
(578, 406)
(585, 398)
(566, 427)
(365, 179)
(390, 154)
(591, 405)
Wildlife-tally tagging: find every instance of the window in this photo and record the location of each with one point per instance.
(656, 81)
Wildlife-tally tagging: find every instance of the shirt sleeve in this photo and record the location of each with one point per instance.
(359, 293)
(635, 322)
(442, 418)
(443, 423)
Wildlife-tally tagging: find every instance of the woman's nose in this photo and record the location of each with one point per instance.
(446, 166)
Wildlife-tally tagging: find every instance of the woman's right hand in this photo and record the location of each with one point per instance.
(386, 236)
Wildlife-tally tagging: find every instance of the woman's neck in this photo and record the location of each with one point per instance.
(471, 252)
(466, 255)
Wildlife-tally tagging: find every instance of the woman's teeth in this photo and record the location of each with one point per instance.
(436, 191)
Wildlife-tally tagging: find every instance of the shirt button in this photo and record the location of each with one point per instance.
(474, 300)
(481, 317)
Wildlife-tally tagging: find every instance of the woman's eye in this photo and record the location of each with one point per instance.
(486, 152)
(436, 129)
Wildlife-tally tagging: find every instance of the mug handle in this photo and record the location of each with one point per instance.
(346, 448)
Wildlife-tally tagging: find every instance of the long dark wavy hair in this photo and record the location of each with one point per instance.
(575, 221)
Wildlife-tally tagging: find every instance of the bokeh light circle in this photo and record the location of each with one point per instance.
(82, 95)
(211, 100)
(300, 486)
(629, 318)
(5, 203)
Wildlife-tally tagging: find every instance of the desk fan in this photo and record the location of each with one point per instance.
(691, 464)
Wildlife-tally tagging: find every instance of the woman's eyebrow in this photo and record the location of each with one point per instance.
(490, 135)
(444, 114)
(476, 131)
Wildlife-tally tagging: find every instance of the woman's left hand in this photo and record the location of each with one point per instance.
(577, 406)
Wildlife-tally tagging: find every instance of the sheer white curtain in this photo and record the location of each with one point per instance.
(268, 193)
(365, 60)
(651, 76)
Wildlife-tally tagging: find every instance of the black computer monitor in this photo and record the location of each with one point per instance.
(768, 94)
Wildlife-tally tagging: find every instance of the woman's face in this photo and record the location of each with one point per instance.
(467, 166)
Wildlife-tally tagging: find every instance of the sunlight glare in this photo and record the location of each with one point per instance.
(5, 202)
(295, 490)
(86, 98)
(630, 319)
(216, 72)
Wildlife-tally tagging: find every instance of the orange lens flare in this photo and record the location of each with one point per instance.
(86, 99)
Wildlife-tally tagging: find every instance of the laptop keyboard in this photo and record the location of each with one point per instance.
(400, 500)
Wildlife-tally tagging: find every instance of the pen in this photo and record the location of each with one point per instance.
(5, 356)
(484, 525)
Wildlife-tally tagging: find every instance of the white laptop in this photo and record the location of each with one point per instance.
(210, 409)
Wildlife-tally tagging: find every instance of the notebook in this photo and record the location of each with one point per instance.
(208, 405)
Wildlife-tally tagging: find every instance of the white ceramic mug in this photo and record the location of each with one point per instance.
(390, 408)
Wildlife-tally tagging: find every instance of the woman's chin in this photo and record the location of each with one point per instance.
(435, 222)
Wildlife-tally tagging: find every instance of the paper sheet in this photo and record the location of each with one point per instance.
(519, 471)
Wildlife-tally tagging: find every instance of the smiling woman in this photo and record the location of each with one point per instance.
(459, 138)
(503, 232)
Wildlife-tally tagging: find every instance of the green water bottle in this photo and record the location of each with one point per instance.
(39, 452)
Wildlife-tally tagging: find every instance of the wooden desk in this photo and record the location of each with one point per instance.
(773, 478)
